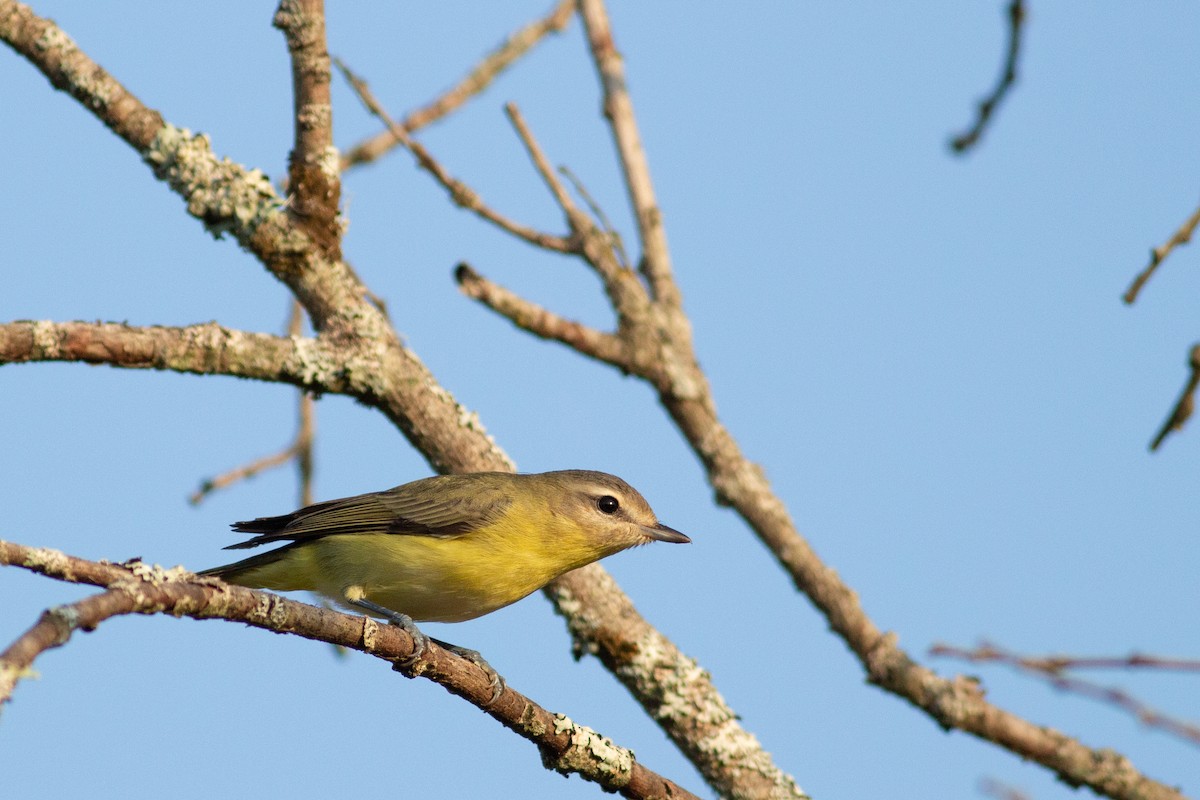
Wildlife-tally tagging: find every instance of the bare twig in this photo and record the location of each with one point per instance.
(542, 165)
(594, 245)
(461, 194)
(1182, 236)
(1008, 77)
(307, 413)
(139, 588)
(1182, 411)
(1053, 670)
(474, 83)
(618, 108)
(1053, 665)
(598, 212)
(244, 472)
(1001, 791)
(300, 449)
(535, 319)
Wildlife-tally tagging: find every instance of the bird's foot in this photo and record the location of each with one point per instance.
(495, 682)
(402, 621)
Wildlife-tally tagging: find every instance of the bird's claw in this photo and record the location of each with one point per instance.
(405, 623)
(421, 644)
(495, 682)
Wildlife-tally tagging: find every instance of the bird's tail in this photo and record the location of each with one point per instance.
(259, 571)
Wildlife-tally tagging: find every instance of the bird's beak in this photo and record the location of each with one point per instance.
(663, 533)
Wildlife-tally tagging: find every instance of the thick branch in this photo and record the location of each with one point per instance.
(53, 52)
(207, 349)
(226, 197)
(677, 693)
(139, 588)
(314, 179)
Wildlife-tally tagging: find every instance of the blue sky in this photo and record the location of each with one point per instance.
(927, 354)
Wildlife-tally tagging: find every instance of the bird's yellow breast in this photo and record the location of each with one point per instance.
(440, 579)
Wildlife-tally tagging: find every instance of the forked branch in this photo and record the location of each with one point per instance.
(654, 342)
(139, 588)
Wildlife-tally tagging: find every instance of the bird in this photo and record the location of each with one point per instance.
(447, 548)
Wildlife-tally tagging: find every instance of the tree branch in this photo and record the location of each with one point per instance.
(1182, 411)
(139, 588)
(314, 179)
(599, 248)
(618, 108)
(657, 346)
(537, 320)
(460, 193)
(1008, 77)
(206, 349)
(300, 449)
(1054, 672)
(52, 51)
(1181, 236)
(474, 83)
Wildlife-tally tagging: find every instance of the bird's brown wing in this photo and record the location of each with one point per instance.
(442, 506)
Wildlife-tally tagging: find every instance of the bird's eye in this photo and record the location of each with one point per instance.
(608, 504)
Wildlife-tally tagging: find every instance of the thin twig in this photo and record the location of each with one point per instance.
(244, 472)
(536, 319)
(1186, 403)
(1001, 790)
(1182, 236)
(635, 169)
(594, 245)
(598, 213)
(1054, 672)
(307, 416)
(473, 84)
(1008, 77)
(461, 194)
(542, 164)
(300, 448)
(1052, 665)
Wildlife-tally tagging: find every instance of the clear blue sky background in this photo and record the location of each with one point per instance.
(927, 354)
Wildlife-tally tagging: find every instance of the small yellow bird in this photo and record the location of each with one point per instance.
(447, 548)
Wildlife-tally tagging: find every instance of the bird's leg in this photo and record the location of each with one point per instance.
(404, 621)
(495, 682)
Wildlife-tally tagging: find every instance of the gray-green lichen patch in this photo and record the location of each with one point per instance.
(76, 73)
(592, 755)
(226, 197)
